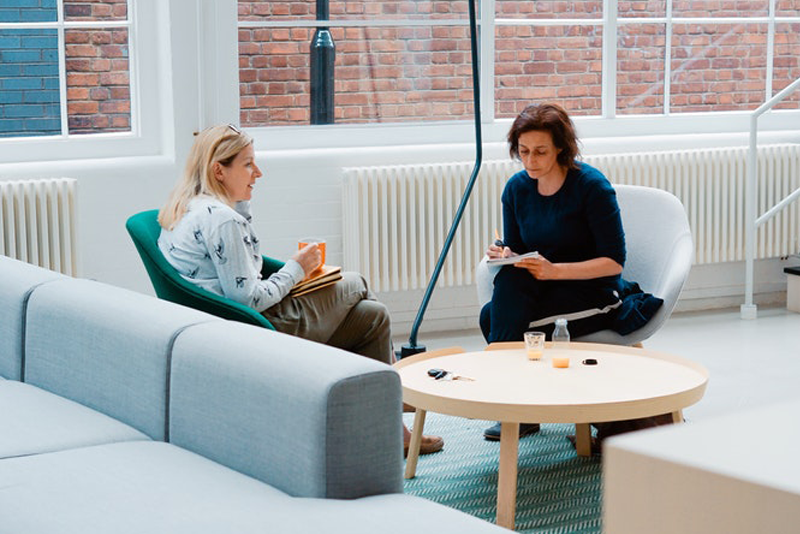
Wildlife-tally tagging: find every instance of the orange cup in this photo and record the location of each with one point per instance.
(320, 243)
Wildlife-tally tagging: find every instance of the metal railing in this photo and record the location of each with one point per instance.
(749, 310)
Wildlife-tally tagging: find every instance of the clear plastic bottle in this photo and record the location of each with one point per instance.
(561, 334)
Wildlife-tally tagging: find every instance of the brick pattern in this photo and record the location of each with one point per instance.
(787, 62)
(787, 8)
(718, 67)
(549, 9)
(29, 93)
(720, 8)
(395, 75)
(98, 80)
(97, 69)
(28, 11)
(642, 8)
(95, 10)
(548, 63)
(640, 69)
(382, 74)
(354, 9)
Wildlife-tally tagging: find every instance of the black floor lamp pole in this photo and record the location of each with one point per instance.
(412, 347)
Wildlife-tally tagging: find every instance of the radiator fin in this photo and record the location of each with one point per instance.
(37, 222)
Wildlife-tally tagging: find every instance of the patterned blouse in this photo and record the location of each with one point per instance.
(214, 247)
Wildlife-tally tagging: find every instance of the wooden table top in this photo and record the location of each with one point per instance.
(626, 383)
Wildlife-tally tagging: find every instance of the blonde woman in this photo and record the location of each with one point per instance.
(207, 236)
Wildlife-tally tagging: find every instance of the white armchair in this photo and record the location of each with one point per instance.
(659, 256)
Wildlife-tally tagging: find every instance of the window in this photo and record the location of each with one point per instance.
(72, 85)
(396, 61)
(65, 68)
(408, 61)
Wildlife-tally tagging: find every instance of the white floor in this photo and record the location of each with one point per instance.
(751, 362)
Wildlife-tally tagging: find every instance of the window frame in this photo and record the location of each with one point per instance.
(146, 106)
(607, 124)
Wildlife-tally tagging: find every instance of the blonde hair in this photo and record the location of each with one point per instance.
(217, 144)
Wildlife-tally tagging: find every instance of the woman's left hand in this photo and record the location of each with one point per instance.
(539, 267)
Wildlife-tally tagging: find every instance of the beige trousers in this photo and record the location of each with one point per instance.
(344, 315)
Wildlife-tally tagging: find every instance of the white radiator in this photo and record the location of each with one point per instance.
(396, 217)
(37, 222)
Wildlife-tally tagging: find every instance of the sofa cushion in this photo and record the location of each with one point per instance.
(34, 421)
(312, 420)
(132, 487)
(385, 514)
(106, 348)
(17, 279)
(136, 487)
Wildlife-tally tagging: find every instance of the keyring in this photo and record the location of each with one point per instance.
(437, 374)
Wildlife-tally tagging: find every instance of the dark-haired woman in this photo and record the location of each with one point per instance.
(567, 211)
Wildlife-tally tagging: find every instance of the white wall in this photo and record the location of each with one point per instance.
(300, 194)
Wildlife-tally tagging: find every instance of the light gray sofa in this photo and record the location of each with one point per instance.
(123, 413)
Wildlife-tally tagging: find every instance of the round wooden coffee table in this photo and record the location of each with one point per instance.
(626, 383)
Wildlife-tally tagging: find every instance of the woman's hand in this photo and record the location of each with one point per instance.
(495, 252)
(309, 258)
(540, 268)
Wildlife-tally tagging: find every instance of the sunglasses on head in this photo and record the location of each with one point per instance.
(236, 130)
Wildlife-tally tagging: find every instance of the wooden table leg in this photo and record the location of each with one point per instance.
(583, 439)
(507, 475)
(416, 441)
(677, 416)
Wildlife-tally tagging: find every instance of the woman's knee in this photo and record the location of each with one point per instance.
(370, 331)
(353, 283)
(376, 312)
(506, 317)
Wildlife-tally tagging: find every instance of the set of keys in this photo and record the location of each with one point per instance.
(441, 374)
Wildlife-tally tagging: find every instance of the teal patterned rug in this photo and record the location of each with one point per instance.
(557, 491)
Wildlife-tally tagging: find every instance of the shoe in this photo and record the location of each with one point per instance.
(525, 429)
(429, 445)
(597, 446)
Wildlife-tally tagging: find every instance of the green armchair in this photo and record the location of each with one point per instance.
(169, 285)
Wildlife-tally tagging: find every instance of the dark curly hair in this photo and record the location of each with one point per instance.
(546, 118)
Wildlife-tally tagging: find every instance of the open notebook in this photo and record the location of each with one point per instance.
(322, 277)
(512, 259)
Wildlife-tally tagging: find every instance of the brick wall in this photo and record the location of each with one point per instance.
(29, 93)
(95, 9)
(787, 61)
(354, 9)
(718, 67)
(28, 11)
(640, 69)
(551, 63)
(382, 74)
(412, 74)
(98, 84)
(98, 79)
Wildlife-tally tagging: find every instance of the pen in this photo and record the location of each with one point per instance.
(497, 241)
